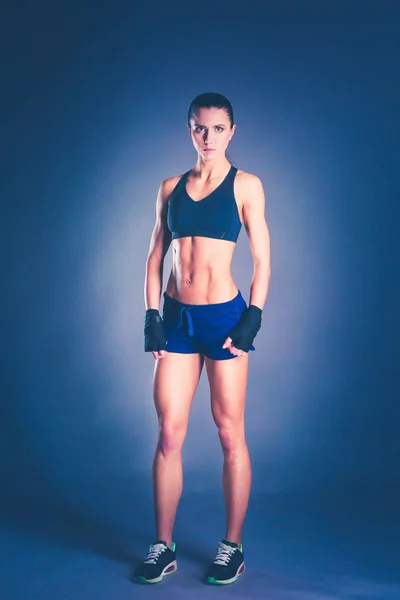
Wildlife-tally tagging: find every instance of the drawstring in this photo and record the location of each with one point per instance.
(186, 309)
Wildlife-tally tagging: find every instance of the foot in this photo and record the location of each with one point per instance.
(228, 564)
(159, 562)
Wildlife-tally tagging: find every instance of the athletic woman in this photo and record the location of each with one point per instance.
(204, 319)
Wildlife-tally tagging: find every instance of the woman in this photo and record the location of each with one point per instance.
(205, 319)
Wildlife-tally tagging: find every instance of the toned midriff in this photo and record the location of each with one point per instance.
(201, 271)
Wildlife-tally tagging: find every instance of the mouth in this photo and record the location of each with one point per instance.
(209, 149)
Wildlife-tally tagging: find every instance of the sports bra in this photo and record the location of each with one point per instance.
(215, 216)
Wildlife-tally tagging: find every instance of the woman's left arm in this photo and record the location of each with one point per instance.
(257, 230)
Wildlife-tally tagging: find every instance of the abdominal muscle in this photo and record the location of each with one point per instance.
(200, 271)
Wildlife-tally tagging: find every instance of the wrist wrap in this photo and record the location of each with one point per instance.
(154, 332)
(243, 334)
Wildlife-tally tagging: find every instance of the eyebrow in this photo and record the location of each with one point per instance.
(218, 125)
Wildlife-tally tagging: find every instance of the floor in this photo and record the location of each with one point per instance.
(293, 551)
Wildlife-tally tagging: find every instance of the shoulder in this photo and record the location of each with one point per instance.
(247, 178)
(248, 186)
(167, 186)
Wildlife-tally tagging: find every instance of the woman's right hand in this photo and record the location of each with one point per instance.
(155, 340)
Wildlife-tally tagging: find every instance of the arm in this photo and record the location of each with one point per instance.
(258, 234)
(159, 244)
(240, 338)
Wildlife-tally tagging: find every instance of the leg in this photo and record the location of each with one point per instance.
(228, 381)
(175, 381)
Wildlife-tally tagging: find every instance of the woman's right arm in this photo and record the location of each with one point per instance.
(159, 243)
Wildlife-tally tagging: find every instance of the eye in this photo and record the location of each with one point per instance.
(220, 128)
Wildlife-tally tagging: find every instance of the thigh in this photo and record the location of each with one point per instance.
(176, 377)
(228, 381)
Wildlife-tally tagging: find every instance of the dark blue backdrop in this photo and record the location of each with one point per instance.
(93, 116)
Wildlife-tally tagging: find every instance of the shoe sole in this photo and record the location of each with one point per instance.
(169, 569)
(239, 572)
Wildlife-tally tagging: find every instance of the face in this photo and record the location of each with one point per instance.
(211, 132)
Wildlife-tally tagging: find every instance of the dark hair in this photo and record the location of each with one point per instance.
(210, 100)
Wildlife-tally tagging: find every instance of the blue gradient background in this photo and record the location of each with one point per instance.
(93, 117)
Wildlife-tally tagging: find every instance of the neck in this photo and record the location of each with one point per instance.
(205, 169)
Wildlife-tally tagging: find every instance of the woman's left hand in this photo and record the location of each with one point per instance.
(245, 331)
(236, 351)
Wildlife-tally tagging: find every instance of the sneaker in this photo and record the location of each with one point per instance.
(160, 561)
(228, 564)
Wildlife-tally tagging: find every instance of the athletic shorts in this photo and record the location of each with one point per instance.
(201, 328)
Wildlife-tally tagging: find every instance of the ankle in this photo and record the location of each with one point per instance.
(233, 540)
(166, 539)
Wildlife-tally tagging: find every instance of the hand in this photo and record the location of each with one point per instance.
(244, 331)
(236, 351)
(154, 334)
(159, 354)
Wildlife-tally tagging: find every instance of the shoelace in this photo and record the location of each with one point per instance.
(224, 554)
(154, 552)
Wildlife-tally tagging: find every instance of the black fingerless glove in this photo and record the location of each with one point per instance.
(243, 334)
(154, 332)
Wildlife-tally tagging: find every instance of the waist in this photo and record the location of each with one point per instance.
(199, 290)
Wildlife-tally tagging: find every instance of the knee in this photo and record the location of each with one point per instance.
(171, 436)
(231, 436)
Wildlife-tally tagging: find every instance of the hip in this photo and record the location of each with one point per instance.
(207, 314)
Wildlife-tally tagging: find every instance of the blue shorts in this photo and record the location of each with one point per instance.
(201, 328)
